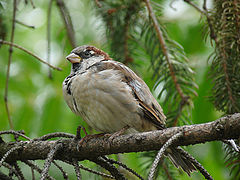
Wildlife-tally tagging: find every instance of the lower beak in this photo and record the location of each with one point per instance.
(74, 58)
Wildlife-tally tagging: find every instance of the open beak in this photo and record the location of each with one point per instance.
(73, 58)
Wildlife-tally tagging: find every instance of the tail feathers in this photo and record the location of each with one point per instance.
(180, 160)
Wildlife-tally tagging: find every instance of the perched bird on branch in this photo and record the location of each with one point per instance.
(110, 96)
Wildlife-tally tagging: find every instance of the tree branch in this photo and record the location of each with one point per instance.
(28, 52)
(9, 65)
(164, 48)
(49, 36)
(224, 128)
(67, 21)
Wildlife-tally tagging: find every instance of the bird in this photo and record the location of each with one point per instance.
(109, 96)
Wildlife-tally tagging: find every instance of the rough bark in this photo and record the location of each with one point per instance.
(227, 127)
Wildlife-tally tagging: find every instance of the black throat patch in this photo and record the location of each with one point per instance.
(76, 67)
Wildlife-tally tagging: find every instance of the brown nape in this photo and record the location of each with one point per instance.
(99, 52)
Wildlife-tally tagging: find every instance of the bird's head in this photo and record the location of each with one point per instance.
(84, 56)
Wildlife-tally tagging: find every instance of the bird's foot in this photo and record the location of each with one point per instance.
(86, 138)
(118, 133)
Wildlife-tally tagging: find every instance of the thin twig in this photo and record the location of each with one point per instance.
(161, 153)
(25, 25)
(77, 169)
(92, 171)
(196, 164)
(15, 133)
(195, 6)
(35, 167)
(8, 153)
(164, 48)
(33, 175)
(11, 169)
(49, 36)
(30, 53)
(209, 20)
(106, 165)
(124, 166)
(54, 135)
(32, 4)
(49, 160)
(65, 176)
(67, 21)
(96, 172)
(9, 64)
(205, 5)
(19, 171)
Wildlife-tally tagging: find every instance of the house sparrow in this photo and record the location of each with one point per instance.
(110, 96)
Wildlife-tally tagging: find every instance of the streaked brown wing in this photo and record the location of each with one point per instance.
(151, 108)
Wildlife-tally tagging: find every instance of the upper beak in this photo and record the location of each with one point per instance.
(73, 58)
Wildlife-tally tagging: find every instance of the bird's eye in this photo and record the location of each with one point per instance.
(88, 53)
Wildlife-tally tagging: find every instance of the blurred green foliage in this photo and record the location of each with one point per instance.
(36, 103)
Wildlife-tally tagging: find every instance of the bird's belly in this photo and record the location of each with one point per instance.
(104, 107)
(105, 114)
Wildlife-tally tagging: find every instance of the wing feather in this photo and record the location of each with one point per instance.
(151, 108)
